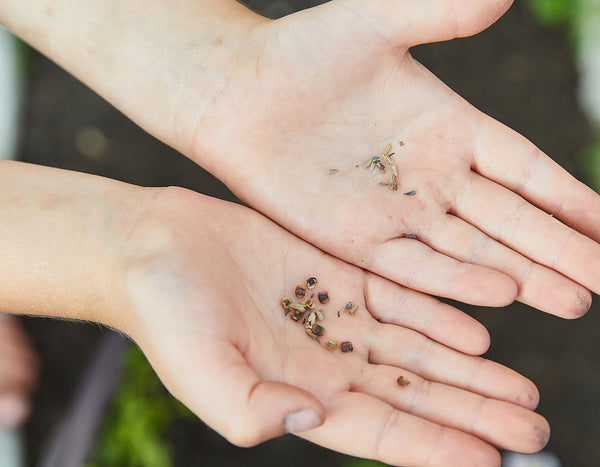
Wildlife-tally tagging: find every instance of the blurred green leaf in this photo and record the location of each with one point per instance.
(356, 462)
(142, 410)
(591, 163)
(552, 12)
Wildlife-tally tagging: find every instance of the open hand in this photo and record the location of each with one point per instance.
(270, 107)
(330, 87)
(205, 285)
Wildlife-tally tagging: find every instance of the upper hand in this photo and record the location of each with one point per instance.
(329, 87)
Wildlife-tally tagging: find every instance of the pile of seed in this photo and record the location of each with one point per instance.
(304, 311)
(379, 161)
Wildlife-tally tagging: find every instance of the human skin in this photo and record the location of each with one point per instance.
(197, 283)
(269, 106)
(18, 371)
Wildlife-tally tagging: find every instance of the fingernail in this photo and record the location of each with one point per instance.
(13, 411)
(302, 421)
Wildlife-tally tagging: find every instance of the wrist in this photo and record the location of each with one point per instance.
(63, 242)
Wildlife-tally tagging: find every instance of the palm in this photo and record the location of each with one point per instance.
(330, 89)
(214, 327)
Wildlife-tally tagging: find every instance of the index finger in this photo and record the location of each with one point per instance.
(506, 157)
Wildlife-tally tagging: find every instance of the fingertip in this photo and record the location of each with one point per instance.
(529, 395)
(535, 438)
(581, 305)
(303, 420)
(274, 409)
(482, 344)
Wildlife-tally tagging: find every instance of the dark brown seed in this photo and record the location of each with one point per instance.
(285, 303)
(402, 381)
(410, 193)
(317, 330)
(297, 315)
(311, 282)
(323, 297)
(411, 236)
(300, 291)
(346, 347)
(308, 303)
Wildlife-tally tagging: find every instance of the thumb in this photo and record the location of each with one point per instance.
(229, 396)
(412, 22)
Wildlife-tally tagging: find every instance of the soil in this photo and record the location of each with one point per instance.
(516, 71)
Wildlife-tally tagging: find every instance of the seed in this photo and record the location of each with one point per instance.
(353, 309)
(311, 282)
(348, 306)
(332, 171)
(308, 303)
(401, 143)
(394, 179)
(331, 345)
(300, 291)
(310, 333)
(411, 236)
(402, 381)
(285, 303)
(380, 166)
(296, 315)
(319, 315)
(317, 330)
(310, 322)
(382, 183)
(323, 297)
(410, 193)
(338, 313)
(346, 346)
(387, 149)
(387, 158)
(298, 307)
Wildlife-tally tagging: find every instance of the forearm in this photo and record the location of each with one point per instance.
(62, 238)
(140, 56)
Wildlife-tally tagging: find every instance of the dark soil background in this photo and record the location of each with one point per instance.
(516, 71)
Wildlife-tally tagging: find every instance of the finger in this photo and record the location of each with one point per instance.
(415, 265)
(14, 409)
(539, 286)
(508, 158)
(412, 22)
(500, 423)
(232, 398)
(364, 426)
(394, 304)
(510, 219)
(396, 346)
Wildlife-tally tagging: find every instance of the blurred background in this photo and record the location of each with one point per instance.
(533, 70)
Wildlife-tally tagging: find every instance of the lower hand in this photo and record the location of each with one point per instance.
(204, 291)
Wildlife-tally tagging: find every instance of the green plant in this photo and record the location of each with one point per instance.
(553, 12)
(355, 462)
(591, 164)
(142, 410)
